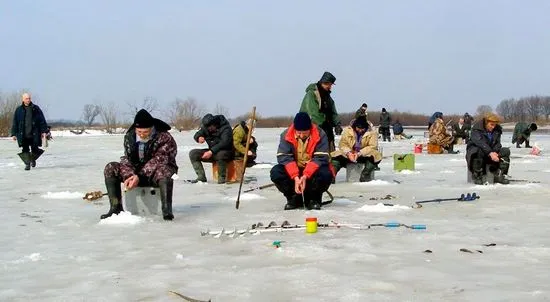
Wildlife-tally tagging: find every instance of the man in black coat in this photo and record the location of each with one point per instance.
(385, 122)
(484, 148)
(218, 134)
(28, 128)
(460, 131)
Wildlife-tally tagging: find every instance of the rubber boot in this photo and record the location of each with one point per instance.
(315, 200)
(222, 171)
(366, 173)
(26, 158)
(500, 178)
(451, 150)
(115, 197)
(35, 156)
(337, 166)
(166, 187)
(199, 169)
(527, 144)
(518, 145)
(477, 171)
(293, 202)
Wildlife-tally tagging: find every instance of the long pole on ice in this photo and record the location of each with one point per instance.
(249, 136)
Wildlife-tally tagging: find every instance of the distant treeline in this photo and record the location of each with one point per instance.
(186, 114)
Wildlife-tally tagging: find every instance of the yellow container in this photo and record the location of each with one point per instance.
(311, 225)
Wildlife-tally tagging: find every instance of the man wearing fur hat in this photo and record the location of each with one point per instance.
(216, 132)
(358, 145)
(240, 135)
(303, 171)
(522, 134)
(149, 160)
(321, 108)
(484, 148)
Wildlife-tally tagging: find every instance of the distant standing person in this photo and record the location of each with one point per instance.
(460, 132)
(362, 112)
(385, 122)
(321, 108)
(28, 128)
(468, 121)
(522, 134)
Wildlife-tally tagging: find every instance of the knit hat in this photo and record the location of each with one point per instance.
(327, 78)
(384, 110)
(364, 105)
(360, 123)
(491, 117)
(302, 121)
(143, 119)
(533, 127)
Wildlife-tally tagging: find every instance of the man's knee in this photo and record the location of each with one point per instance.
(196, 154)
(112, 169)
(278, 173)
(504, 152)
(224, 155)
(163, 173)
(323, 175)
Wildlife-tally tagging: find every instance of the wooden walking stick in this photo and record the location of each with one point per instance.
(246, 155)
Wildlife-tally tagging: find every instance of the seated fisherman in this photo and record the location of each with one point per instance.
(303, 171)
(149, 160)
(484, 148)
(460, 131)
(217, 133)
(358, 145)
(240, 134)
(522, 134)
(398, 131)
(439, 135)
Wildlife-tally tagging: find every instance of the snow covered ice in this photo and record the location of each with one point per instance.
(54, 247)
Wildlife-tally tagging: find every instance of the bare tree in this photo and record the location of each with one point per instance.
(221, 110)
(506, 109)
(90, 113)
(483, 109)
(534, 107)
(520, 110)
(185, 114)
(109, 116)
(148, 103)
(8, 103)
(546, 107)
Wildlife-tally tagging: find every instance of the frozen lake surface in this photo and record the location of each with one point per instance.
(55, 249)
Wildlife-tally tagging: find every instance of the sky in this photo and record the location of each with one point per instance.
(410, 55)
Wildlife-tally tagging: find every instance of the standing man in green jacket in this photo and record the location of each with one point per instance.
(321, 108)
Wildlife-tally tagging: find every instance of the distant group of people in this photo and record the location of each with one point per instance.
(307, 157)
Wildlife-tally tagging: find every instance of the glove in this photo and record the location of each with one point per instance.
(338, 129)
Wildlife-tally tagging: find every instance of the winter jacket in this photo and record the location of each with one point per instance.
(160, 152)
(240, 134)
(315, 152)
(221, 139)
(369, 144)
(439, 135)
(312, 104)
(397, 129)
(385, 120)
(521, 132)
(480, 141)
(39, 125)
(460, 131)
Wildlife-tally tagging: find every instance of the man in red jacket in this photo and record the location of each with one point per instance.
(303, 172)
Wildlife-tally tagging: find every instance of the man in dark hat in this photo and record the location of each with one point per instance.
(484, 149)
(385, 122)
(321, 108)
(218, 134)
(358, 145)
(149, 160)
(28, 129)
(303, 171)
(522, 134)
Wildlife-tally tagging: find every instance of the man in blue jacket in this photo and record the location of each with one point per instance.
(28, 128)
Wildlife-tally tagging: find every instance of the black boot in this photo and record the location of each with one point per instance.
(477, 171)
(199, 169)
(451, 150)
(293, 202)
(35, 156)
(166, 187)
(366, 173)
(500, 178)
(527, 144)
(222, 171)
(115, 197)
(518, 145)
(26, 158)
(315, 200)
